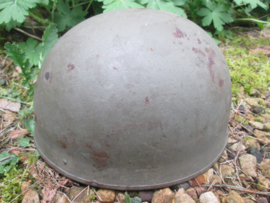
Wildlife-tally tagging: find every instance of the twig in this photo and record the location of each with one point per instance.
(79, 194)
(235, 159)
(240, 189)
(65, 196)
(5, 158)
(30, 35)
(97, 194)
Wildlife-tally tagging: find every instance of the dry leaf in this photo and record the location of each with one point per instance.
(8, 118)
(8, 105)
(16, 133)
(197, 181)
(259, 49)
(48, 194)
(15, 151)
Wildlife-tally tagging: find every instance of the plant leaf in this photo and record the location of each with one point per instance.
(8, 160)
(32, 50)
(252, 3)
(68, 18)
(24, 142)
(30, 126)
(15, 10)
(170, 7)
(111, 5)
(15, 54)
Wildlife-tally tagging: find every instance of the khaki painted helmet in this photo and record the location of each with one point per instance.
(133, 99)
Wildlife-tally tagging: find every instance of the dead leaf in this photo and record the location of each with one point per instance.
(8, 118)
(197, 181)
(15, 151)
(259, 49)
(16, 133)
(48, 194)
(8, 105)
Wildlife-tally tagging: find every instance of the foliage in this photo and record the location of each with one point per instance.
(10, 185)
(128, 199)
(7, 161)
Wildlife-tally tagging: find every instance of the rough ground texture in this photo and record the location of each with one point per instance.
(242, 174)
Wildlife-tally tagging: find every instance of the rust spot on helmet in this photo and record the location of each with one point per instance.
(211, 62)
(100, 159)
(63, 143)
(199, 41)
(179, 34)
(47, 75)
(114, 68)
(70, 67)
(220, 82)
(198, 51)
(146, 101)
(151, 49)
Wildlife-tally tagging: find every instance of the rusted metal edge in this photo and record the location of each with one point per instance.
(126, 187)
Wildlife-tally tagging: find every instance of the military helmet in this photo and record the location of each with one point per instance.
(133, 99)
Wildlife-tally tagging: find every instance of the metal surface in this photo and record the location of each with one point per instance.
(133, 99)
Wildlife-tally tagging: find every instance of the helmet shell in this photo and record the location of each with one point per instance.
(133, 99)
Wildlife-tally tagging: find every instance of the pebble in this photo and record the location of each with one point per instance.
(262, 200)
(256, 152)
(226, 170)
(249, 142)
(253, 102)
(24, 186)
(241, 108)
(164, 196)
(223, 157)
(248, 127)
(258, 110)
(182, 197)
(266, 127)
(262, 136)
(193, 194)
(106, 195)
(60, 198)
(263, 183)
(237, 147)
(184, 185)
(83, 197)
(234, 197)
(208, 197)
(265, 167)
(121, 197)
(248, 164)
(216, 178)
(146, 195)
(31, 197)
(208, 175)
(256, 125)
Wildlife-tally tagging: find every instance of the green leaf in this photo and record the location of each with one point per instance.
(15, 54)
(111, 5)
(11, 24)
(30, 126)
(179, 2)
(216, 13)
(252, 3)
(132, 200)
(24, 142)
(8, 160)
(49, 38)
(68, 18)
(15, 10)
(32, 50)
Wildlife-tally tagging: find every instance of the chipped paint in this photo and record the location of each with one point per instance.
(211, 62)
(146, 101)
(179, 34)
(70, 67)
(198, 51)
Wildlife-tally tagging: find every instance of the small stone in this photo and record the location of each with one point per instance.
(83, 197)
(250, 117)
(256, 125)
(231, 141)
(266, 127)
(266, 155)
(248, 164)
(255, 93)
(208, 197)
(237, 147)
(241, 108)
(182, 197)
(262, 200)
(216, 178)
(238, 118)
(253, 102)
(234, 197)
(250, 141)
(184, 185)
(106, 195)
(219, 194)
(265, 167)
(60, 198)
(193, 194)
(256, 152)
(226, 170)
(25, 186)
(258, 110)
(31, 197)
(262, 136)
(216, 166)
(208, 175)
(249, 128)
(121, 197)
(264, 149)
(263, 183)
(146, 195)
(267, 106)
(164, 196)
